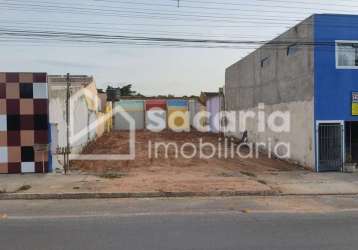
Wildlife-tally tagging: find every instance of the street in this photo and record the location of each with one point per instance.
(173, 224)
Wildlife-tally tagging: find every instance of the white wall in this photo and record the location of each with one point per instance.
(57, 116)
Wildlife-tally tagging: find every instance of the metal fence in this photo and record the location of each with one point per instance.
(330, 147)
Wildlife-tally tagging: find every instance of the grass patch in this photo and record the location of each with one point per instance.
(23, 188)
(112, 175)
(248, 173)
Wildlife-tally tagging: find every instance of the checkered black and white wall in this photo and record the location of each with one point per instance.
(23, 122)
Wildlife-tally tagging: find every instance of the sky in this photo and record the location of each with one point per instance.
(153, 68)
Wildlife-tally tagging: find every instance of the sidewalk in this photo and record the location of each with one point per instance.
(307, 183)
(76, 185)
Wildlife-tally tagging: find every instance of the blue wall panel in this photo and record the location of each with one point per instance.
(333, 87)
(177, 103)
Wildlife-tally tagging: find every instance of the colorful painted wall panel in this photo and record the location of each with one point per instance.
(155, 103)
(156, 114)
(198, 119)
(177, 103)
(213, 106)
(23, 123)
(178, 115)
(135, 109)
(109, 121)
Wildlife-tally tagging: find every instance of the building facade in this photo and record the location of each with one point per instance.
(84, 111)
(24, 133)
(310, 72)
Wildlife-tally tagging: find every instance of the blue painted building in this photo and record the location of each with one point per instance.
(310, 71)
(336, 82)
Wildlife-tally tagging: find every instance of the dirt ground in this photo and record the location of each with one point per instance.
(150, 173)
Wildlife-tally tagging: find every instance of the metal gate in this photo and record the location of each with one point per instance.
(330, 146)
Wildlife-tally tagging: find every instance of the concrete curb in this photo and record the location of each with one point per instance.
(317, 194)
(61, 196)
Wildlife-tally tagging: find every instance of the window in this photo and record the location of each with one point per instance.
(347, 54)
(292, 49)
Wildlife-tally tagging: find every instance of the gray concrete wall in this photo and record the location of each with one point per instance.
(135, 110)
(283, 83)
(282, 79)
(121, 123)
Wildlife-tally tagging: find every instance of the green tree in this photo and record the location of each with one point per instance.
(126, 90)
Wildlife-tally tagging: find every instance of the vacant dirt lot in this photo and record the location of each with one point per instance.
(170, 173)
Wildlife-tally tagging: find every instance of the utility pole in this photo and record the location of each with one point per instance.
(178, 3)
(68, 95)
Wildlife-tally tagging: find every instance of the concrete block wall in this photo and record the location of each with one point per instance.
(283, 82)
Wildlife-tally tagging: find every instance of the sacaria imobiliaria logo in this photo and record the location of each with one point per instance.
(223, 122)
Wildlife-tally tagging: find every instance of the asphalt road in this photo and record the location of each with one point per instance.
(173, 228)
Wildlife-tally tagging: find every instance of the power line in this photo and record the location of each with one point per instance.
(132, 24)
(142, 14)
(104, 37)
(93, 40)
(262, 24)
(123, 31)
(112, 10)
(159, 16)
(141, 37)
(245, 4)
(271, 5)
(90, 43)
